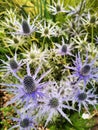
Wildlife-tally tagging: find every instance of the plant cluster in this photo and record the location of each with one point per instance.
(51, 67)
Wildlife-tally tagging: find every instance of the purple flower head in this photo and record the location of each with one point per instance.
(30, 87)
(84, 71)
(25, 121)
(25, 27)
(53, 105)
(84, 98)
(12, 66)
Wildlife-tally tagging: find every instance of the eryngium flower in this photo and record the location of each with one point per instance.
(46, 30)
(90, 19)
(84, 71)
(76, 10)
(24, 122)
(64, 49)
(35, 55)
(59, 31)
(25, 28)
(84, 98)
(57, 7)
(30, 88)
(53, 105)
(12, 66)
(15, 41)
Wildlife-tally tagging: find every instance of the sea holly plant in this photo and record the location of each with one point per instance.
(53, 104)
(12, 65)
(46, 29)
(29, 87)
(23, 28)
(84, 71)
(64, 49)
(84, 98)
(50, 68)
(35, 55)
(24, 121)
(57, 7)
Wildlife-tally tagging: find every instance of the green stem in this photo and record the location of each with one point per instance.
(50, 2)
(52, 43)
(8, 48)
(36, 11)
(21, 48)
(45, 11)
(41, 8)
(43, 45)
(92, 33)
(81, 5)
(64, 59)
(38, 5)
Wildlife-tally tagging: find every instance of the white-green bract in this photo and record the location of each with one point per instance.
(53, 105)
(59, 31)
(47, 29)
(12, 65)
(25, 28)
(84, 98)
(35, 55)
(25, 121)
(15, 41)
(30, 87)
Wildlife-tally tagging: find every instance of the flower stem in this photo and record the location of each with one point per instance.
(43, 45)
(8, 49)
(92, 33)
(41, 8)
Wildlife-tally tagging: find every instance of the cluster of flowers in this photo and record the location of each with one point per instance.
(42, 99)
